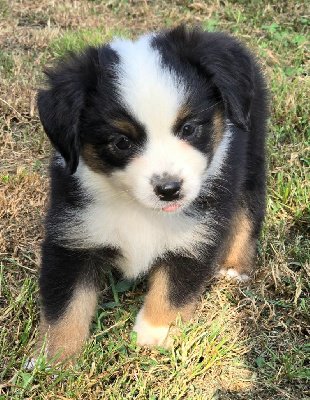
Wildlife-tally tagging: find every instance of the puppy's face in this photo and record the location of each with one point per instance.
(159, 133)
(149, 116)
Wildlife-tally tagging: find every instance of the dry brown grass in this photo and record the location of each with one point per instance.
(265, 324)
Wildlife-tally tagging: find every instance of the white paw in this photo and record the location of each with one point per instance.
(148, 334)
(29, 364)
(231, 273)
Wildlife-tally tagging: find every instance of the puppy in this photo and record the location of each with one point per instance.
(159, 169)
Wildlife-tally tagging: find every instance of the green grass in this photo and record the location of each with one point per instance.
(245, 342)
(76, 41)
(112, 354)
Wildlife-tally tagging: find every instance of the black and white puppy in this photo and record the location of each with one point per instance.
(159, 168)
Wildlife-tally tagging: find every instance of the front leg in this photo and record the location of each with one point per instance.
(68, 289)
(174, 290)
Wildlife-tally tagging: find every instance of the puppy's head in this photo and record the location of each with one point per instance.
(150, 115)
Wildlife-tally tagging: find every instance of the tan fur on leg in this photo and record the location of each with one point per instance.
(153, 321)
(68, 334)
(240, 258)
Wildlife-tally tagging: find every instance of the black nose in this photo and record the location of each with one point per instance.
(168, 191)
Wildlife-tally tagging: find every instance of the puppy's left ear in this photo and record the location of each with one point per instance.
(224, 61)
(232, 70)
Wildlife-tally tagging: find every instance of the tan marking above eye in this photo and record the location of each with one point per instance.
(125, 127)
(219, 128)
(183, 114)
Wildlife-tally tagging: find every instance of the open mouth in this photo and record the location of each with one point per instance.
(171, 207)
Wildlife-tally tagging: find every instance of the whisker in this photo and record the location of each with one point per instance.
(208, 108)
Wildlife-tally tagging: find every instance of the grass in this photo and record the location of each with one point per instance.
(245, 342)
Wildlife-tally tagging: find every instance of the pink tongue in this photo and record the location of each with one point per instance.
(172, 207)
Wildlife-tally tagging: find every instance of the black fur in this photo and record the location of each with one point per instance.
(73, 85)
(78, 109)
(219, 59)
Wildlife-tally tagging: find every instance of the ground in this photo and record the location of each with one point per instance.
(247, 341)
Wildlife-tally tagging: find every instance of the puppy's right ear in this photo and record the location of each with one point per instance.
(61, 105)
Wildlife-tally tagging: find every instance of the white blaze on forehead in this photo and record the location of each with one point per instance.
(152, 92)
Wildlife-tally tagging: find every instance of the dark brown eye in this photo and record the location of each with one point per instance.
(189, 130)
(122, 143)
